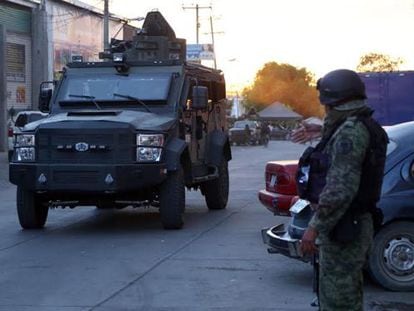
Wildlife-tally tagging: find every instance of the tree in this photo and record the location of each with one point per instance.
(287, 84)
(378, 62)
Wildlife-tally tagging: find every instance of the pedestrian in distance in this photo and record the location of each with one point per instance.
(265, 134)
(247, 134)
(343, 183)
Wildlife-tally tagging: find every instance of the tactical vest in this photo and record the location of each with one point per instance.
(314, 165)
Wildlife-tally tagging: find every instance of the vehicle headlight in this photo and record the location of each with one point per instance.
(24, 147)
(155, 140)
(146, 154)
(149, 147)
(25, 140)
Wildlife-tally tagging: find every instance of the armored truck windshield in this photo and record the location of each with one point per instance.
(105, 88)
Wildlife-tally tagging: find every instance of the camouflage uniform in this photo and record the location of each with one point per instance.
(340, 280)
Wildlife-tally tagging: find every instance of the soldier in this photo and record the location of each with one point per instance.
(345, 177)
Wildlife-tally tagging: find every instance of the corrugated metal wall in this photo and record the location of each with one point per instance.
(15, 19)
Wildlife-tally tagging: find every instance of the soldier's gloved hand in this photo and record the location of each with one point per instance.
(305, 132)
(307, 244)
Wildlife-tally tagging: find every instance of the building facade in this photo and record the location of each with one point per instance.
(37, 39)
(16, 59)
(76, 29)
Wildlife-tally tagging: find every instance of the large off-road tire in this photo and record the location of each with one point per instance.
(30, 210)
(216, 191)
(172, 200)
(391, 261)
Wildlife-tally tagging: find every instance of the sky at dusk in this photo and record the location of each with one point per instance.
(320, 35)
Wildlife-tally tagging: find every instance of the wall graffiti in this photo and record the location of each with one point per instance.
(21, 94)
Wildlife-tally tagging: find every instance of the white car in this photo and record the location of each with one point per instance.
(22, 118)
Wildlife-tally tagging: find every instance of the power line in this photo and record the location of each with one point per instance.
(197, 8)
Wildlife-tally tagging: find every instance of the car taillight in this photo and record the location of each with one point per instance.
(10, 132)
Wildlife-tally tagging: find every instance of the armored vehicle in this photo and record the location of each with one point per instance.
(135, 129)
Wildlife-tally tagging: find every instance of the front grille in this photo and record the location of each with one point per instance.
(238, 134)
(70, 177)
(111, 146)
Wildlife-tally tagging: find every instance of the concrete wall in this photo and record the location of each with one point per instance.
(40, 52)
(77, 31)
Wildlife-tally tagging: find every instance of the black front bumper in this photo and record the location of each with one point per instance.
(280, 242)
(86, 178)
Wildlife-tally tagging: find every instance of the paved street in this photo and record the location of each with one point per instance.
(87, 259)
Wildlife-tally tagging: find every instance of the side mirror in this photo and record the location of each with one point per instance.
(44, 99)
(200, 97)
(21, 120)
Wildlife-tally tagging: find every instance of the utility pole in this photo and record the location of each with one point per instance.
(197, 7)
(106, 26)
(212, 40)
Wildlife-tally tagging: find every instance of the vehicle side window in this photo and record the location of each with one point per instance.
(21, 120)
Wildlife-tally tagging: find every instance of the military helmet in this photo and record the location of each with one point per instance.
(340, 86)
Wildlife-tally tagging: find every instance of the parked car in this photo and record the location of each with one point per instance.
(15, 125)
(279, 134)
(237, 134)
(280, 186)
(391, 261)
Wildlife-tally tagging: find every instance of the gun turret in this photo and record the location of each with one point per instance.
(155, 42)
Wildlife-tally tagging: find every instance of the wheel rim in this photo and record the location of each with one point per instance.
(398, 258)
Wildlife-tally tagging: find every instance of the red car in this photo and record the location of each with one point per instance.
(280, 186)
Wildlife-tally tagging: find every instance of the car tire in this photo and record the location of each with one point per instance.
(172, 200)
(216, 191)
(391, 261)
(30, 210)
